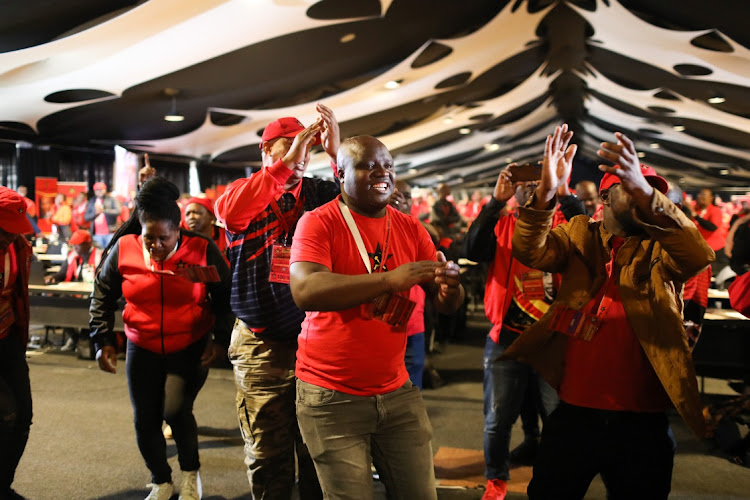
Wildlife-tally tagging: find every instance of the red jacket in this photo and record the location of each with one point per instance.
(20, 295)
(163, 313)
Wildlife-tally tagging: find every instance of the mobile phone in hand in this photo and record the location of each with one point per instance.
(525, 172)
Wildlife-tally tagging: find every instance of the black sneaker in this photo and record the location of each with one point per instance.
(525, 453)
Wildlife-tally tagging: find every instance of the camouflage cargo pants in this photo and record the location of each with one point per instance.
(264, 376)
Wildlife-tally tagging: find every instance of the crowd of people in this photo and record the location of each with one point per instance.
(320, 294)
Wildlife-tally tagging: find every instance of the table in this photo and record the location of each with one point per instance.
(723, 350)
(718, 298)
(51, 257)
(64, 304)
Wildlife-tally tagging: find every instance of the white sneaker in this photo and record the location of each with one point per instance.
(70, 345)
(191, 488)
(161, 491)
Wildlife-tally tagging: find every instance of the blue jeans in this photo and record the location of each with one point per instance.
(163, 388)
(414, 358)
(346, 433)
(633, 452)
(102, 240)
(505, 384)
(15, 407)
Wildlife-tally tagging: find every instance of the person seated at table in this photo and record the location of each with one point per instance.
(79, 265)
(200, 218)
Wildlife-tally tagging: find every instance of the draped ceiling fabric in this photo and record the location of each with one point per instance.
(481, 82)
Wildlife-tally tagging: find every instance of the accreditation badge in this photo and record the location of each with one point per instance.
(532, 285)
(576, 324)
(280, 256)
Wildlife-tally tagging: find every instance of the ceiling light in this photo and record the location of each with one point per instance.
(509, 160)
(447, 120)
(492, 147)
(173, 115)
(439, 177)
(349, 37)
(724, 172)
(393, 84)
(654, 145)
(641, 154)
(717, 99)
(464, 131)
(412, 171)
(679, 128)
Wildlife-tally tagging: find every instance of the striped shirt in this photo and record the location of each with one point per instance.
(247, 211)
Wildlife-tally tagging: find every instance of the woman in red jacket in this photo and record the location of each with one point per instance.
(174, 306)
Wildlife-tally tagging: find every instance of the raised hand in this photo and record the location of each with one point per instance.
(629, 167)
(300, 149)
(330, 137)
(504, 187)
(557, 163)
(447, 277)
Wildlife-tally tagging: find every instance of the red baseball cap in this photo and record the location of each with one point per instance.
(13, 212)
(283, 127)
(204, 202)
(100, 185)
(79, 236)
(649, 173)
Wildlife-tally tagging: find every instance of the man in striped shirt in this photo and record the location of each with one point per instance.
(260, 214)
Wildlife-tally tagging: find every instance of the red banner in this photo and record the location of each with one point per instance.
(46, 190)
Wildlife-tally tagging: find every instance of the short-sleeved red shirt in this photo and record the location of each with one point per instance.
(343, 350)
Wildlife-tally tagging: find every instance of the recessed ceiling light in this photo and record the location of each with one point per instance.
(679, 128)
(393, 84)
(724, 172)
(447, 120)
(173, 118)
(347, 38)
(509, 160)
(412, 171)
(641, 154)
(464, 131)
(439, 177)
(492, 147)
(654, 145)
(716, 99)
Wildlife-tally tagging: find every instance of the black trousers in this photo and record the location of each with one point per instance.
(163, 388)
(633, 452)
(15, 408)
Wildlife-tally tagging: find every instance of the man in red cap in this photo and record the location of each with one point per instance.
(200, 218)
(103, 210)
(15, 390)
(613, 342)
(80, 265)
(260, 214)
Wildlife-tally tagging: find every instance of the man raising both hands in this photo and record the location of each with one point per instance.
(260, 214)
(613, 342)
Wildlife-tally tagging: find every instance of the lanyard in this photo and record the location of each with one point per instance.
(285, 224)
(358, 237)
(147, 258)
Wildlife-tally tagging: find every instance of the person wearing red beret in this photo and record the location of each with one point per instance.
(200, 218)
(15, 389)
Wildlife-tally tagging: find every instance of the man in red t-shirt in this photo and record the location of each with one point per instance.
(613, 342)
(353, 263)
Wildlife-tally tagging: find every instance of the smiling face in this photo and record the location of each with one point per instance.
(159, 237)
(365, 169)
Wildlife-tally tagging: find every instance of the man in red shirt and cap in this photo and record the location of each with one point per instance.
(613, 342)
(15, 389)
(260, 214)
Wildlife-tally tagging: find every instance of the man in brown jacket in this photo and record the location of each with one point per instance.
(613, 343)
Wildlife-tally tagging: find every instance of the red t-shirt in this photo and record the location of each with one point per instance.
(717, 237)
(416, 321)
(343, 350)
(611, 372)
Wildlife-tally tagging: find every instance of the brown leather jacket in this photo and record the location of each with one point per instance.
(653, 269)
